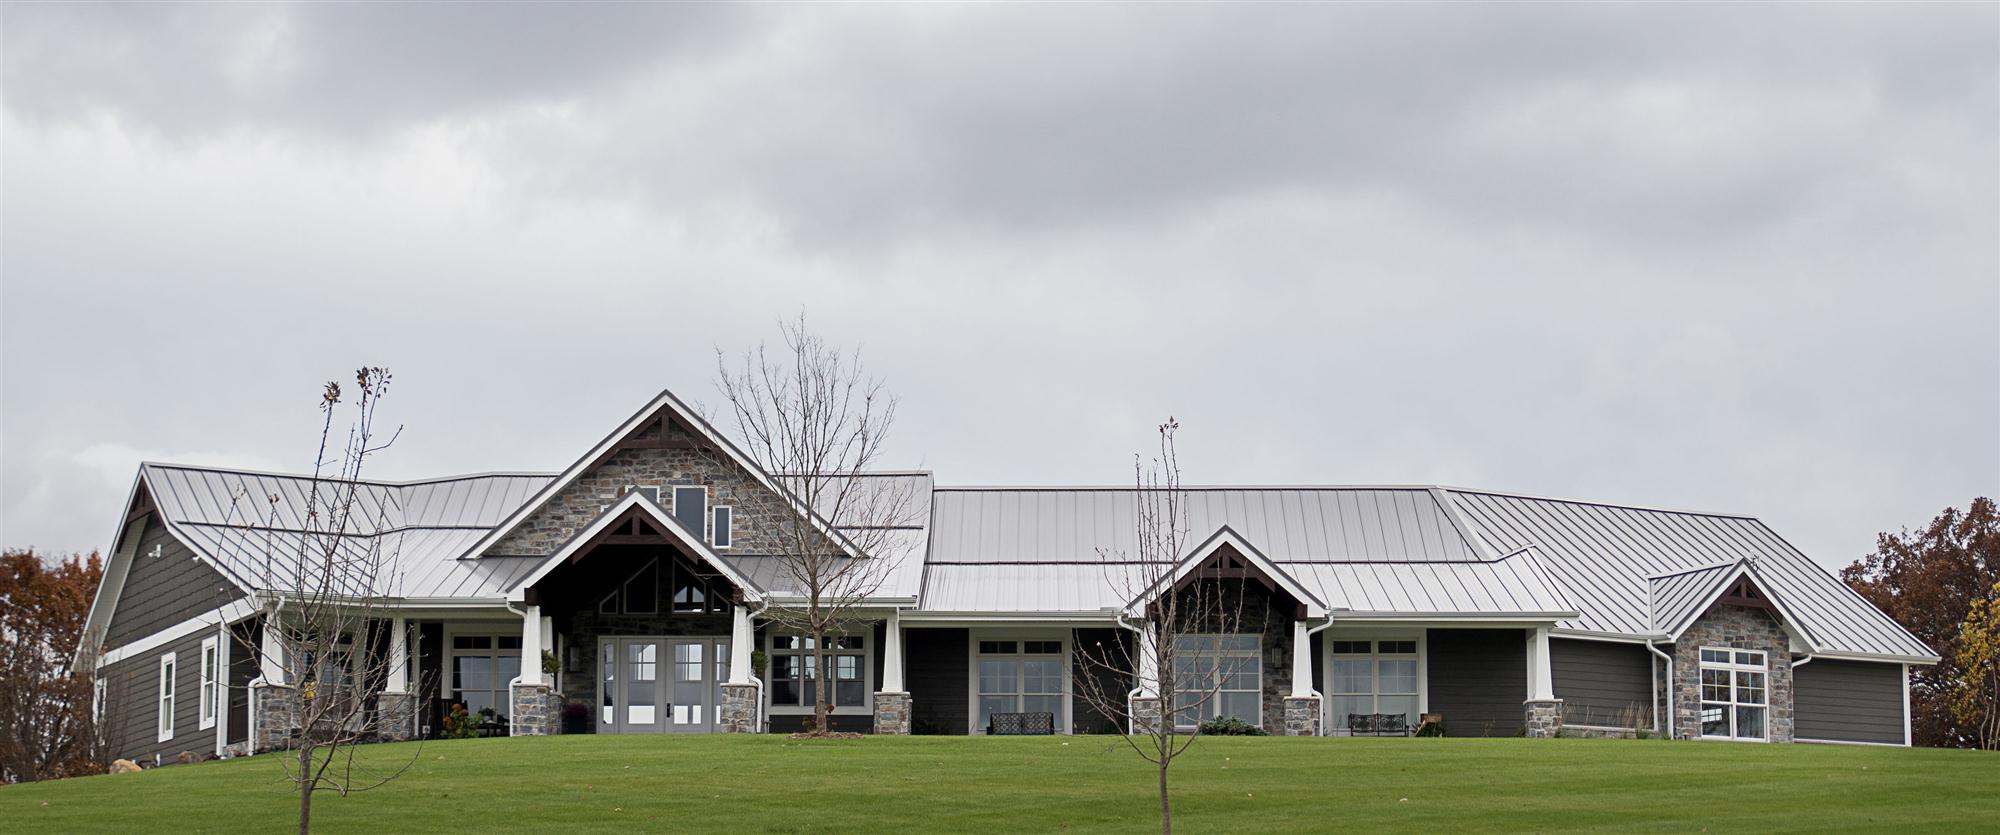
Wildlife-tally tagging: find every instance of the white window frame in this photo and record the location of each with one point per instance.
(1336, 723)
(211, 660)
(1732, 667)
(722, 526)
(867, 653)
(167, 694)
(1213, 706)
(706, 501)
(1064, 721)
(497, 631)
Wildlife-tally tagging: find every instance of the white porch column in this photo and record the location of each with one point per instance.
(1149, 661)
(399, 655)
(1541, 686)
(892, 654)
(271, 653)
(531, 646)
(742, 637)
(1302, 663)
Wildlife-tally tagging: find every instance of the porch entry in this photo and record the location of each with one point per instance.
(660, 685)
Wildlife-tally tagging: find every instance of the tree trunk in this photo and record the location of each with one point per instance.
(305, 789)
(1166, 809)
(821, 699)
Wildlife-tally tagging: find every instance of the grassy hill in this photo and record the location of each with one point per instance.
(1093, 784)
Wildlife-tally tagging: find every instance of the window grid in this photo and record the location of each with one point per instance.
(795, 675)
(166, 697)
(1217, 676)
(210, 680)
(1020, 676)
(1373, 677)
(1734, 695)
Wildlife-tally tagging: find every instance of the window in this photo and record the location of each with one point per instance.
(1733, 698)
(167, 697)
(720, 533)
(691, 508)
(652, 494)
(1217, 676)
(211, 680)
(1020, 677)
(482, 668)
(1371, 677)
(795, 680)
(690, 593)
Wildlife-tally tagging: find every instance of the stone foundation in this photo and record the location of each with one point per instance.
(892, 713)
(738, 712)
(535, 711)
(1734, 627)
(395, 716)
(1544, 718)
(1145, 715)
(1598, 732)
(1302, 716)
(274, 712)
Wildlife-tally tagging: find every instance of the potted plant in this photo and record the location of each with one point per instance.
(576, 718)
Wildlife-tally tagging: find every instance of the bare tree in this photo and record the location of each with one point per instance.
(330, 578)
(1183, 626)
(813, 418)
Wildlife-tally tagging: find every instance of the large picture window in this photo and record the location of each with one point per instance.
(1020, 676)
(795, 679)
(1734, 701)
(482, 669)
(1373, 677)
(1217, 676)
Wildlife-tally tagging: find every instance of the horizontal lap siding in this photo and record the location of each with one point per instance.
(132, 694)
(935, 663)
(1478, 679)
(165, 590)
(1092, 651)
(1848, 701)
(1602, 683)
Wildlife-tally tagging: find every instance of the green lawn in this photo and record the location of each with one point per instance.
(1093, 784)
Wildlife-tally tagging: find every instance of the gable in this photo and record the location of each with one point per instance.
(164, 584)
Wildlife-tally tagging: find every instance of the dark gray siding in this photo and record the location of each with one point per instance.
(1603, 683)
(1849, 701)
(1092, 653)
(1478, 679)
(162, 591)
(936, 667)
(132, 688)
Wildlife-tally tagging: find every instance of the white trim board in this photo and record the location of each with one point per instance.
(228, 614)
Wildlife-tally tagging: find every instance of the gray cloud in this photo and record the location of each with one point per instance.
(1701, 257)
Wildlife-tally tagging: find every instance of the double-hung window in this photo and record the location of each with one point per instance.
(795, 678)
(211, 680)
(1734, 700)
(1373, 677)
(1017, 676)
(1218, 676)
(167, 688)
(482, 669)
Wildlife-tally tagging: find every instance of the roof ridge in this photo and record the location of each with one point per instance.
(373, 482)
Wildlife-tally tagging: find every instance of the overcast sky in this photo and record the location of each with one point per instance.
(1739, 258)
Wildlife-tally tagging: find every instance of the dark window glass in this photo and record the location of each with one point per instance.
(642, 592)
(510, 642)
(996, 647)
(691, 508)
(691, 597)
(472, 642)
(1042, 647)
(1350, 647)
(721, 532)
(1404, 647)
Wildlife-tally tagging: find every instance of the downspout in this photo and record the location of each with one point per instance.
(1670, 688)
(1803, 661)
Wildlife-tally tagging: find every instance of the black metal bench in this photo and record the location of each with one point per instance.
(1378, 724)
(1021, 724)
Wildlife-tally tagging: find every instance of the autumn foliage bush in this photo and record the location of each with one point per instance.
(46, 727)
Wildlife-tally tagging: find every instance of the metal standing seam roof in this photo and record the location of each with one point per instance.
(1604, 555)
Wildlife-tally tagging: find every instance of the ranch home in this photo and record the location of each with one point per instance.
(645, 572)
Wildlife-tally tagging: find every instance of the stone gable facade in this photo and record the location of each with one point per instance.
(1735, 627)
(758, 517)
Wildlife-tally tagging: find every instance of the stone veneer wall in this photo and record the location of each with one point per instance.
(1256, 613)
(756, 521)
(1736, 627)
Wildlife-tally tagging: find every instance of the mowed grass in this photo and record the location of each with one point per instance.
(1083, 784)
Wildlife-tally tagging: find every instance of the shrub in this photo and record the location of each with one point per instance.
(1230, 726)
(458, 724)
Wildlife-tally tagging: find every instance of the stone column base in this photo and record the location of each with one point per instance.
(533, 712)
(274, 710)
(1145, 715)
(1544, 717)
(395, 716)
(892, 714)
(738, 712)
(1302, 716)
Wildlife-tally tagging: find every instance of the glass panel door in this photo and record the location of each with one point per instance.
(641, 686)
(691, 684)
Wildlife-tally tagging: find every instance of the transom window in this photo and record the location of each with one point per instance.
(1734, 699)
(688, 592)
(1217, 676)
(795, 678)
(1017, 676)
(1373, 677)
(482, 668)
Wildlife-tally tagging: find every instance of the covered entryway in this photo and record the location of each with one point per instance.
(660, 685)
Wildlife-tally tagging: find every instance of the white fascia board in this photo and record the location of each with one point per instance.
(665, 400)
(947, 619)
(1607, 637)
(223, 615)
(1537, 619)
(662, 520)
(1888, 658)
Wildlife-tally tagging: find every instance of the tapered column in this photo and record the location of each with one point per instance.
(399, 655)
(742, 695)
(532, 713)
(742, 641)
(1543, 711)
(892, 702)
(892, 655)
(1302, 707)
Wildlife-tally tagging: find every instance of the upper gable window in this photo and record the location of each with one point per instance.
(691, 509)
(720, 533)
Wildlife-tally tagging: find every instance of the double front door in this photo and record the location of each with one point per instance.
(660, 685)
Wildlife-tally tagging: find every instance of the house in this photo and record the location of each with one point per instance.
(645, 570)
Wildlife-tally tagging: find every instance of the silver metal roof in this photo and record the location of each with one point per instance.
(1603, 556)
(1514, 585)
